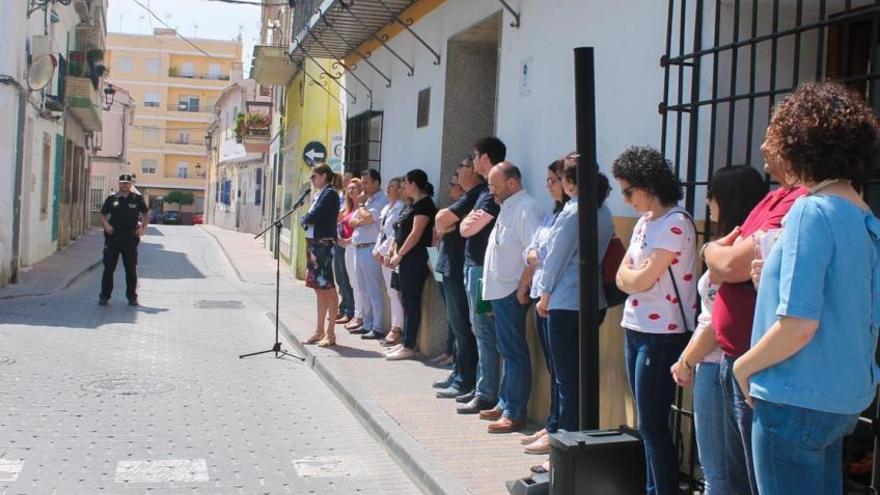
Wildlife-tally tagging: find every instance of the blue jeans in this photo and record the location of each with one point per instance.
(346, 294)
(465, 349)
(737, 433)
(552, 424)
(799, 450)
(510, 330)
(372, 287)
(648, 359)
(488, 368)
(564, 339)
(709, 421)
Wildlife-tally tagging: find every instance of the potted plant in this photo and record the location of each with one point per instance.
(173, 72)
(239, 127)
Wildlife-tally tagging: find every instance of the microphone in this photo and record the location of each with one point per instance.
(302, 198)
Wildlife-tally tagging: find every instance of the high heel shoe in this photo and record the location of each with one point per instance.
(327, 341)
(314, 339)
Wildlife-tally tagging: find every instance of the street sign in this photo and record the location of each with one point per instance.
(314, 153)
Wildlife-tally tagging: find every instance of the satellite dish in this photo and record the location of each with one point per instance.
(41, 71)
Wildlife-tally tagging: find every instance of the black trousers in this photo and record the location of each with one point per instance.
(124, 243)
(413, 274)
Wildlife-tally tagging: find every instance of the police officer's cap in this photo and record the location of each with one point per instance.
(126, 178)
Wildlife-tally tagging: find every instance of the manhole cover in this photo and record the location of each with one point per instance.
(205, 304)
(6, 360)
(129, 386)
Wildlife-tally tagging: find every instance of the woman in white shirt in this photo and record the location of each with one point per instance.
(733, 192)
(387, 220)
(658, 274)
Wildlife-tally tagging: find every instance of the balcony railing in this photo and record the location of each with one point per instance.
(206, 107)
(192, 142)
(175, 72)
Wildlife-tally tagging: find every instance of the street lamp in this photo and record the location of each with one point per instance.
(109, 96)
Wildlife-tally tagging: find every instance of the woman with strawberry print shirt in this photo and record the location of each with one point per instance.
(658, 274)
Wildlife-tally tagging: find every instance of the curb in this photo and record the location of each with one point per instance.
(66, 283)
(416, 461)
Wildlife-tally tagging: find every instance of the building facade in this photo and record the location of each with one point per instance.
(52, 67)
(176, 87)
(240, 142)
(110, 156)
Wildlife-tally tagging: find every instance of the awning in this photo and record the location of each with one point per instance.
(85, 112)
(336, 28)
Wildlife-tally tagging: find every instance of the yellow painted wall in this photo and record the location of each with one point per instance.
(316, 119)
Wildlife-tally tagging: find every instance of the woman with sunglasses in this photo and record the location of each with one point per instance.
(387, 220)
(346, 231)
(320, 225)
(658, 274)
(733, 193)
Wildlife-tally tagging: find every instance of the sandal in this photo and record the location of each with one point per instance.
(314, 339)
(541, 468)
(392, 339)
(327, 341)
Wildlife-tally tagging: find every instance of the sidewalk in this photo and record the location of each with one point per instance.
(59, 270)
(446, 453)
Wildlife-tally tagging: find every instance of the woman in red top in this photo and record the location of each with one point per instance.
(352, 198)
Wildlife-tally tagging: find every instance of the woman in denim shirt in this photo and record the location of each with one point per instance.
(559, 289)
(539, 443)
(811, 369)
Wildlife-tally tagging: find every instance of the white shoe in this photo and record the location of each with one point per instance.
(393, 349)
(403, 353)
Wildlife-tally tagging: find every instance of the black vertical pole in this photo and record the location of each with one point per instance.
(585, 121)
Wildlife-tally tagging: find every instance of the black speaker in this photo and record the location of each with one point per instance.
(602, 462)
(536, 484)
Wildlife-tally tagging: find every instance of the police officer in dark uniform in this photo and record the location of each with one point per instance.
(124, 217)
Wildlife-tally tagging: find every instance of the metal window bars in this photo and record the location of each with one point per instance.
(760, 51)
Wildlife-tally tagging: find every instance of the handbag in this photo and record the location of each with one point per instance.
(614, 255)
(395, 280)
(684, 318)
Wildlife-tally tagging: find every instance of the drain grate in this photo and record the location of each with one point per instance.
(230, 304)
(129, 386)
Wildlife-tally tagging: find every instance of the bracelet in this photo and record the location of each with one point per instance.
(703, 249)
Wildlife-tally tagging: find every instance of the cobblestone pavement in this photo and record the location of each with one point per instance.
(153, 399)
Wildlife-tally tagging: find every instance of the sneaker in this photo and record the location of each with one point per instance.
(393, 349)
(102, 301)
(132, 301)
(448, 393)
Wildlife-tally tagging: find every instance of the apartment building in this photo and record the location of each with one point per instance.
(176, 83)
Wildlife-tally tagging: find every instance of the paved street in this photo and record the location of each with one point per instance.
(153, 399)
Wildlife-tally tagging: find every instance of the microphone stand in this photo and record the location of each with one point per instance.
(276, 348)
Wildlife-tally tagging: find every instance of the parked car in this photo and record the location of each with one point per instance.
(155, 217)
(172, 217)
(197, 218)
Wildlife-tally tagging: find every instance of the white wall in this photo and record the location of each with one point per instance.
(628, 37)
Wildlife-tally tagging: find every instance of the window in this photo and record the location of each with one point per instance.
(363, 142)
(123, 64)
(188, 103)
(187, 70)
(258, 190)
(44, 178)
(148, 166)
(183, 138)
(152, 65)
(151, 134)
(424, 108)
(214, 71)
(151, 99)
(182, 170)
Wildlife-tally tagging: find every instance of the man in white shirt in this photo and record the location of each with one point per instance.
(506, 285)
(368, 273)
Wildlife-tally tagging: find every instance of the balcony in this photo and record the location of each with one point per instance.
(185, 146)
(253, 129)
(83, 102)
(207, 107)
(176, 72)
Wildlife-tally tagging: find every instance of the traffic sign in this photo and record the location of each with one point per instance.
(314, 153)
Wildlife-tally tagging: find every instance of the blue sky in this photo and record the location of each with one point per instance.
(215, 20)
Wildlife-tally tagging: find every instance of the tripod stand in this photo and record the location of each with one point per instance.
(276, 348)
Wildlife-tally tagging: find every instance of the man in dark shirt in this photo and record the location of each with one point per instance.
(450, 263)
(124, 217)
(476, 226)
